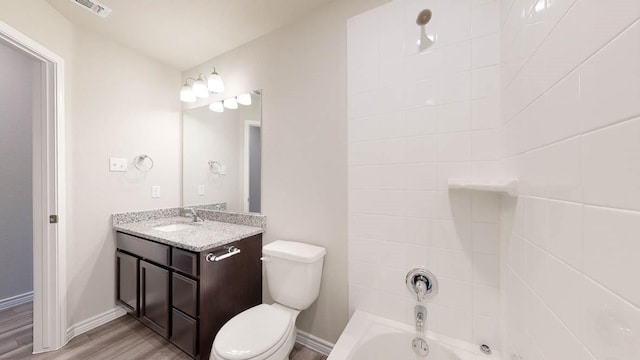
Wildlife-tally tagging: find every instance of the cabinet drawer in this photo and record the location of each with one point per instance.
(184, 333)
(185, 294)
(145, 249)
(184, 261)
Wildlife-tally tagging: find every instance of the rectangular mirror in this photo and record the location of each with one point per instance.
(221, 156)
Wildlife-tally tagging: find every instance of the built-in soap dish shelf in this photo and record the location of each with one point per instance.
(499, 185)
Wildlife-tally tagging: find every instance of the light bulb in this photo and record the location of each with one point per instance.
(216, 107)
(215, 83)
(200, 89)
(231, 103)
(244, 99)
(187, 95)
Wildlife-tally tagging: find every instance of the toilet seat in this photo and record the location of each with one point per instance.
(256, 334)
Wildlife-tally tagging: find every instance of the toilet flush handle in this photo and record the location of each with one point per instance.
(265, 259)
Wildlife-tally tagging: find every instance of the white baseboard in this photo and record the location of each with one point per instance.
(16, 300)
(94, 322)
(314, 343)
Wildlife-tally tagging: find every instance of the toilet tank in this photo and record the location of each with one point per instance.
(294, 271)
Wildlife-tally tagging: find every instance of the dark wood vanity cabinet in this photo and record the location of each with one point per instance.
(182, 296)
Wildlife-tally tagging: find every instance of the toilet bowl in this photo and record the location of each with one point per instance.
(268, 332)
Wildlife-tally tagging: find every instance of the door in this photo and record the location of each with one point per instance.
(127, 275)
(255, 170)
(154, 297)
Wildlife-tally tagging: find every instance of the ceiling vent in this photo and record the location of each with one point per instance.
(94, 6)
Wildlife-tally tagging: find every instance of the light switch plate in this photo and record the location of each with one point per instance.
(117, 164)
(155, 191)
(200, 189)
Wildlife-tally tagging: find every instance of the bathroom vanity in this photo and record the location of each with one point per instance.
(184, 280)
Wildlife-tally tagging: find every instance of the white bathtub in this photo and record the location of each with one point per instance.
(370, 337)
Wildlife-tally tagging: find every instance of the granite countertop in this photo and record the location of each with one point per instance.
(204, 235)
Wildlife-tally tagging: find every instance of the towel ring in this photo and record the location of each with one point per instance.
(139, 161)
(216, 168)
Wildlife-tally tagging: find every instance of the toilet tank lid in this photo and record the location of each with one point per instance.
(294, 251)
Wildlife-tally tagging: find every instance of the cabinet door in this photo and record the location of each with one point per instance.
(154, 297)
(127, 278)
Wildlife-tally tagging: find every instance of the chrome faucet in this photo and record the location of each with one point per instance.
(421, 288)
(193, 213)
(421, 318)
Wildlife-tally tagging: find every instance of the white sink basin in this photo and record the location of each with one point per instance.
(174, 227)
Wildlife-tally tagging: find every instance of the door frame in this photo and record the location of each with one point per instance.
(248, 124)
(49, 240)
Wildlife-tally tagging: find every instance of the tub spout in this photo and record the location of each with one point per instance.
(421, 317)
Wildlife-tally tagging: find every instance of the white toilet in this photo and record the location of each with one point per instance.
(268, 332)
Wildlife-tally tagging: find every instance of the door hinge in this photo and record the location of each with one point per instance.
(53, 219)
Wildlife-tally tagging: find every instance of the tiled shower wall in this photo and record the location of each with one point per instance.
(415, 120)
(570, 107)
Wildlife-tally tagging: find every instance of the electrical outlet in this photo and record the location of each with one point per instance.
(155, 191)
(200, 189)
(117, 164)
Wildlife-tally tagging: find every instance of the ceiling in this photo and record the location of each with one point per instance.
(185, 33)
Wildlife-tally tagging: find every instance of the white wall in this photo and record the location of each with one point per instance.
(302, 70)
(571, 90)
(118, 103)
(415, 120)
(18, 76)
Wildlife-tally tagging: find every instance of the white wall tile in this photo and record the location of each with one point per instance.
(565, 232)
(486, 145)
(486, 238)
(377, 152)
(420, 148)
(485, 82)
(612, 249)
(485, 113)
(485, 19)
(486, 300)
(455, 264)
(486, 269)
(453, 147)
(611, 166)
(454, 117)
(410, 130)
(485, 51)
(455, 294)
(455, 323)
(421, 121)
(610, 326)
(419, 176)
(614, 67)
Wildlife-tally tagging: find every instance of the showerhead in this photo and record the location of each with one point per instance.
(424, 17)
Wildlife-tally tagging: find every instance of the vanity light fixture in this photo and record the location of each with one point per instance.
(244, 99)
(201, 87)
(215, 83)
(230, 103)
(216, 107)
(186, 93)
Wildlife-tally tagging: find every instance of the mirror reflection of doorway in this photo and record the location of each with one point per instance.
(254, 161)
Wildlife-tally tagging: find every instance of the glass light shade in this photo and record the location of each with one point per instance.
(215, 83)
(231, 103)
(244, 99)
(187, 95)
(216, 106)
(200, 89)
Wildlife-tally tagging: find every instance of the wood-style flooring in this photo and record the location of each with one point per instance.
(123, 339)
